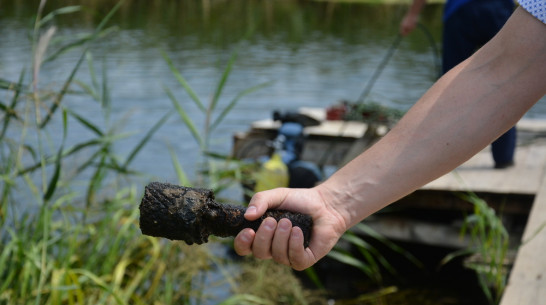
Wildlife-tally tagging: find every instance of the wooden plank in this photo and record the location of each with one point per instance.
(418, 231)
(478, 175)
(350, 129)
(527, 282)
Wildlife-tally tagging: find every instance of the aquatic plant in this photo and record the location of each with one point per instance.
(266, 282)
(490, 242)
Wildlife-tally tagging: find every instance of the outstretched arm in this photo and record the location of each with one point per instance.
(463, 112)
(458, 116)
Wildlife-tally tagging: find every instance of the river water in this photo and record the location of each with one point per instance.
(312, 54)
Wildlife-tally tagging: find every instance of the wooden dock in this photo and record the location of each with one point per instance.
(433, 214)
(527, 281)
(478, 175)
(521, 188)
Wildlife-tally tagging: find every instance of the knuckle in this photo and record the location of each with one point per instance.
(282, 259)
(242, 250)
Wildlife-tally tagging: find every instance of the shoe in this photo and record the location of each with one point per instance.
(504, 165)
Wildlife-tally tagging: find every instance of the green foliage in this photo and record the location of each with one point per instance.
(53, 249)
(266, 282)
(221, 177)
(490, 242)
(371, 112)
(53, 258)
(370, 261)
(60, 247)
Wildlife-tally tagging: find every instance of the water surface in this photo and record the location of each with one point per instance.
(313, 54)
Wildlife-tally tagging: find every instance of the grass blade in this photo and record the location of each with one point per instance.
(79, 42)
(60, 11)
(99, 282)
(313, 276)
(185, 118)
(92, 74)
(233, 102)
(86, 123)
(57, 172)
(105, 98)
(62, 92)
(67, 83)
(55, 178)
(246, 299)
(8, 85)
(144, 140)
(369, 231)
(222, 82)
(182, 177)
(350, 260)
(10, 111)
(182, 81)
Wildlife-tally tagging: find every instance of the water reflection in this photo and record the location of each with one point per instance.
(314, 53)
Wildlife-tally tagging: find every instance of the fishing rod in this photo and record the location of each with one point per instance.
(377, 73)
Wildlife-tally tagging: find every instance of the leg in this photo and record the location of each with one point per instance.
(503, 149)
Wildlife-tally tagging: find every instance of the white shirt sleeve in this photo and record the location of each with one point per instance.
(536, 8)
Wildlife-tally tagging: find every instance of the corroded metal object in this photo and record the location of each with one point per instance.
(191, 214)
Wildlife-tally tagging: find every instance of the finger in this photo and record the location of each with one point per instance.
(279, 249)
(299, 257)
(262, 201)
(261, 247)
(243, 242)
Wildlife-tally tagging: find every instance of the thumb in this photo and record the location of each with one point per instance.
(263, 201)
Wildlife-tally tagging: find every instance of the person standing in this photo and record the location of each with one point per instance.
(468, 25)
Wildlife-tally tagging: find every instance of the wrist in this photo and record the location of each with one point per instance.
(341, 201)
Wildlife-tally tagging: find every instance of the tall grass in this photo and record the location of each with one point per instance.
(51, 258)
(66, 244)
(50, 253)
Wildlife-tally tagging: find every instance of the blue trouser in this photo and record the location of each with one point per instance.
(466, 30)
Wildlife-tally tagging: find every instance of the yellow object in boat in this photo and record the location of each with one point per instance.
(273, 174)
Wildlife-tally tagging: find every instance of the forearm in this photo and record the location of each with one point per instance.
(463, 112)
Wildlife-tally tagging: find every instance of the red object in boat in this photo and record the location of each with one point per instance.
(336, 112)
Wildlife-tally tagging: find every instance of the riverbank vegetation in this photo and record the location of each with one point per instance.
(69, 209)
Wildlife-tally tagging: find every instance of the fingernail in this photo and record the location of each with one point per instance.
(269, 224)
(295, 233)
(250, 210)
(245, 236)
(284, 225)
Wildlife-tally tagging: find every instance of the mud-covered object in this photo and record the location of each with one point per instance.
(192, 215)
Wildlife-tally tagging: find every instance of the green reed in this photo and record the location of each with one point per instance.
(69, 229)
(213, 116)
(489, 240)
(50, 254)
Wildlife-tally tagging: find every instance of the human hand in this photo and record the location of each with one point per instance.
(284, 243)
(408, 24)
